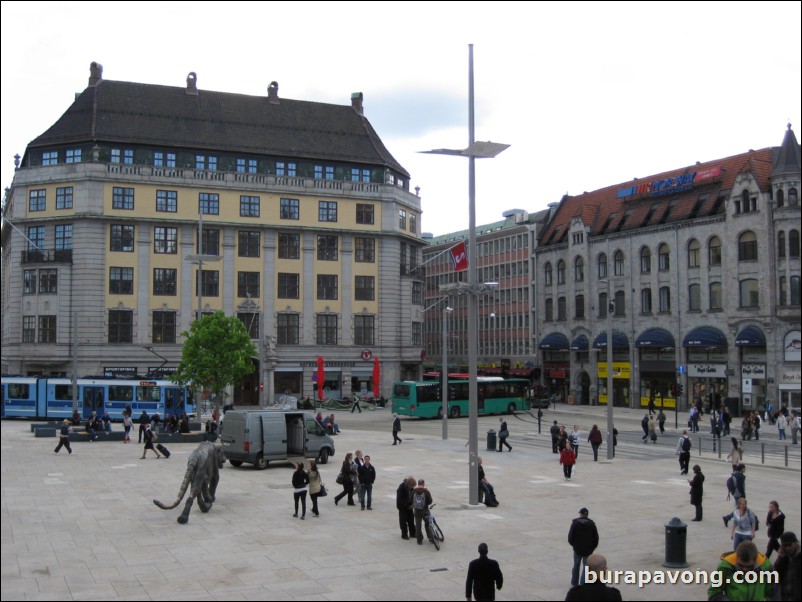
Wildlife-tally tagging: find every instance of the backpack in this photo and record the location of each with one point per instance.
(731, 484)
(686, 444)
(418, 500)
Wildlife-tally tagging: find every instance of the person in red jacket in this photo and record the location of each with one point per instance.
(567, 459)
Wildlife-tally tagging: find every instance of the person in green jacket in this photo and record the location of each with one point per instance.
(731, 585)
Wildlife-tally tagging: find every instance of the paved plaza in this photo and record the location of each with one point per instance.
(84, 527)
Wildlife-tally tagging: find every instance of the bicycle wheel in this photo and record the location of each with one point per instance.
(437, 531)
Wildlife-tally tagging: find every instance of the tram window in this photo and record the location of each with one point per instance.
(148, 394)
(16, 391)
(63, 392)
(119, 393)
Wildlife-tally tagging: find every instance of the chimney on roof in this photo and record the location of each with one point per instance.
(95, 74)
(272, 93)
(192, 84)
(356, 102)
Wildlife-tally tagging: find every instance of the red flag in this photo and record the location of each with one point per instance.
(376, 378)
(459, 256)
(321, 377)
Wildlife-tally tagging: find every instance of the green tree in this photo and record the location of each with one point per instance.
(217, 353)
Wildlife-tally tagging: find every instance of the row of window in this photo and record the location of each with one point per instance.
(748, 297)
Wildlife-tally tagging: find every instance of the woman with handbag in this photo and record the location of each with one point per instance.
(346, 479)
(316, 487)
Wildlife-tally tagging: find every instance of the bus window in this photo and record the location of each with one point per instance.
(401, 390)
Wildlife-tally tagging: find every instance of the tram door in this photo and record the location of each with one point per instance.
(93, 400)
(173, 402)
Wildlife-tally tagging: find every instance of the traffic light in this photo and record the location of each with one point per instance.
(679, 389)
(673, 390)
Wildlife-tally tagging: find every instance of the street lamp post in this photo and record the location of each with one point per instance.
(610, 427)
(475, 150)
(444, 372)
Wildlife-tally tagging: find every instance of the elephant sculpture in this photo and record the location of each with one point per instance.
(203, 474)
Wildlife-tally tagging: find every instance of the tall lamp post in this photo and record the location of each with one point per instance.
(475, 150)
(444, 372)
(610, 427)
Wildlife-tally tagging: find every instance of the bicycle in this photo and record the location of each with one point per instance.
(433, 530)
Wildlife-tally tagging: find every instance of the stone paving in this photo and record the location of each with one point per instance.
(84, 527)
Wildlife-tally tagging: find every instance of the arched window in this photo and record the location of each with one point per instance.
(579, 306)
(794, 290)
(744, 202)
(645, 300)
(549, 310)
(663, 260)
(780, 197)
(793, 199)
(620, 306)
(561, 272)
(693, 253)
(747, 246)
(547, 274)
(561, 311)
(781, 244)
(618, 264)
(793, 243)
(694, 297)
(749, 293)
(714, 251)
(645, 260)
(602, 305)
(602, 265)
(665, 299)
(579, 269)
(715, 295)
(783, 291)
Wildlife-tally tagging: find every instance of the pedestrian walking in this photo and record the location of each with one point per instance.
(736, 453)
(128, 424)
(144, 422)
(697, 490)
(644, 425)
(346, 478)
(744, 523)
(403, 502)
(789, 569)
(367, 476)
(583, 537)
(568, 460)
(315, 486)
(775, 521)
(421, 500)
(503, 433)
(661, 421)
(652, 433)
(356, 405)
(150, 438)
(576, 440)
(595, 440)
(736, 489)
(300, 481)
(555, 437)
(684, 452)
(484, 577)
(64, 437)
(396, 429)
(782, 423)
(794, 425)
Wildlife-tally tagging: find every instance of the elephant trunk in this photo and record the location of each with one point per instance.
(181, 492)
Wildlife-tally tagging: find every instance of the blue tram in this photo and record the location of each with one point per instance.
(51, 398)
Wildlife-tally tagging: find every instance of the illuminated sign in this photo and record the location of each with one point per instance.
(670, 185)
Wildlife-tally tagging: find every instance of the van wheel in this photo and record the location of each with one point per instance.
(260, 463)
(235, 462)
(324, 456)
(454, 412)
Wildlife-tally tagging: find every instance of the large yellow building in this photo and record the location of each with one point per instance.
(300, 218)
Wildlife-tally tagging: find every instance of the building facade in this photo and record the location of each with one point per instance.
(299, 218)
(695, 270)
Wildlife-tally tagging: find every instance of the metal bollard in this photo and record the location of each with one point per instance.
(491, 440)
(676, 538)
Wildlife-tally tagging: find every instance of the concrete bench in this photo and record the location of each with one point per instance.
(119, 435)
(45, 432)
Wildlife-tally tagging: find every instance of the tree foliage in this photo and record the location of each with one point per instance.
(217, 353)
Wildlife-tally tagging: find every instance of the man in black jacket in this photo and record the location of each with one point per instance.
(555, 437)
(367, 476)
(403, 501)
(484, 576)
(583, 537)
(595, 591)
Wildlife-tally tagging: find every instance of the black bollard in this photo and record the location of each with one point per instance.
(676, 538)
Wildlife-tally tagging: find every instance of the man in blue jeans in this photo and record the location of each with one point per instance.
(583, 537)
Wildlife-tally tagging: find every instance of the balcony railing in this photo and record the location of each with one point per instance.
(47, 256)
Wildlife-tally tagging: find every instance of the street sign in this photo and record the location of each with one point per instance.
(681, 369)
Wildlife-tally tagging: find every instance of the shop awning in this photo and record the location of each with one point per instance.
(751, 336)
(705, 336)
(580, 343)
(655, 337)
(620, 341)
(555, 341)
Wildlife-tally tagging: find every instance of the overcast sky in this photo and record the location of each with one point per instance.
(588, 95)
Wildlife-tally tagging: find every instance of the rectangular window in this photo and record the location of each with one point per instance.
(327, 248)
(326, 329)
(327, 211)
(248, 243)
(360, 175)
(288, 286)
(29, 329)
(364, 288)
(63, 236)
(29, 282)
(327, 287)
(694, 297)
(716, 299)
(162, 159)
(286, 168)
(165, 240)
(164, 281)
(646, 301)
(364, 214)
(37, 200)
(163, 327)
(47, 329)
(288, 329)
(211, 242)
(417, 334)
(417, 293)
(209, 203)
(663, 259)
(48, 281)
(121, 281)
(121, 326)
(402, 219)
(122, 198)
(246, 165)
(364, 330)
(64, 197)
(413, 223)
(36, 238)
(211, 283)
(206, 162)
(324, 171)
(122, 238)
(665, 299)
(579, 306)
(125, 156)
(167, 201)
(248, 285)
(289, 209)
(50, 158)
(251, 323)
(73, 155)
(248, 206)
(364, 250)
(289, 246)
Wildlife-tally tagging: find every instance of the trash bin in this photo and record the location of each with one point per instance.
(491, 440)
(676, 538)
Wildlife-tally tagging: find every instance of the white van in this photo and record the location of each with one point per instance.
(259, 436)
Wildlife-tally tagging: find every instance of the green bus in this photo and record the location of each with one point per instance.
(424, 398)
